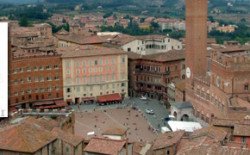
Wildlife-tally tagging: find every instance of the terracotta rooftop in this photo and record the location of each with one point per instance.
(86, 51)
(116, 130)
(66, 137)
(211, 131)
(229, 122)
(187, 144)
(215, 150)
(81, 39)
(168, 139)
(24, 137)
(172, 55)
(105, 146)
(241, 130)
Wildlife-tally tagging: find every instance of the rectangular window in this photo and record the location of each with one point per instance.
(68, 80)
(123, 84)
(49, 89)
(91, 88)
(90, 63)
(83, 63)
(123, 76)
(41, 68)
(28, 69)
(56, 77)
(41, 79)
(107, 68)
(90, 79)
(101, 87)
(96, 62)
(42, 89)
(29, 79)
(84, 79)
(57, 88)
(78, 80)
(68, 90)
(246, 87)
(21, 70)
(56, 67)
(67, 64)
(77, 63)
(123, 59)
(84, 70)
(107, 61)
(113, 76)
(36, 79)
(49, 78)
(36, 68)
(107, 77)
(48, 67)
(100, 78)
(95, 78)
(113, 60)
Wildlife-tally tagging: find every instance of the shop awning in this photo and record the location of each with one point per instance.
(69, 100)
(43, 103)
(109, 98)
(52, 107)
(88, 98)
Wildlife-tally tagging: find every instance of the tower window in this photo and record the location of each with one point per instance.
(246, 87)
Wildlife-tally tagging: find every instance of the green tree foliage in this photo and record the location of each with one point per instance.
(56, 29)
(241, 34)
(23, 22)
(108, 14)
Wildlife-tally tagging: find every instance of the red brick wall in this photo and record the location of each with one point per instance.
(32, 62)
(239, 139)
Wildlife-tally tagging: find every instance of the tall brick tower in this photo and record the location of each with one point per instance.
(196, 40)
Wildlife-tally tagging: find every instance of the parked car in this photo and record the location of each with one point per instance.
(144, 98)
(149, 111)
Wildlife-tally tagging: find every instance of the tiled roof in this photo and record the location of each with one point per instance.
(86, 51)
(25, 137)
(81, 39)
(187, 144)
(167, 139)
(66, 137)
(215, 149)
(211, 131)
(182, 105)
(241, 130)
(172, 55)
(116, 130)
(229, 122)
(105, 146)
(166, 56)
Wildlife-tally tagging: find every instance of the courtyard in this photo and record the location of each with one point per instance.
(130, 114)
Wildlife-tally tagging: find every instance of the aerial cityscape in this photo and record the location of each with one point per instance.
(128, 77)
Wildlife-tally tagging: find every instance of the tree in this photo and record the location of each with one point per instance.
(23, 22)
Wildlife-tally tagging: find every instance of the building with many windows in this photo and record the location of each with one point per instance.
(150, 74)
(34, 79)
(90, 72)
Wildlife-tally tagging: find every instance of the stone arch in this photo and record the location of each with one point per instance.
(185, 117)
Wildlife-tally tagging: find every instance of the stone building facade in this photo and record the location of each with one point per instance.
(150, 74)
(92, 71)
(222, 92)
(35, 78)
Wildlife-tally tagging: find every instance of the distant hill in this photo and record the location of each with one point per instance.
(18, 1)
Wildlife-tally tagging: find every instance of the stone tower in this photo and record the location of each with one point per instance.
(196, 39)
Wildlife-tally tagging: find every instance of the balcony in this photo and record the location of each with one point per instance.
(151, 72)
